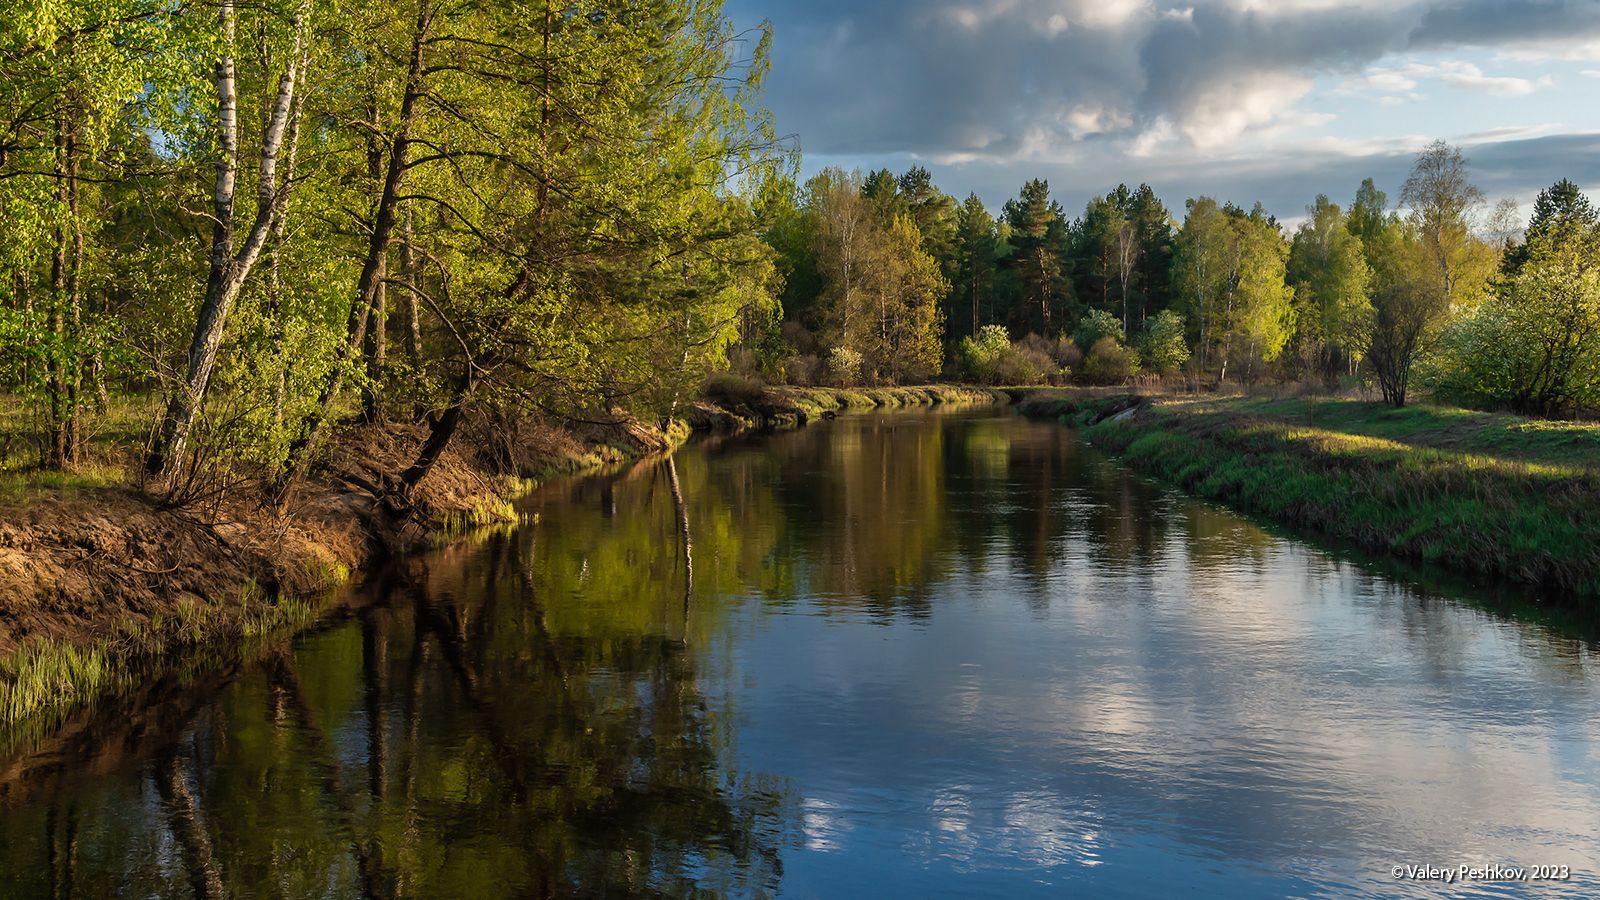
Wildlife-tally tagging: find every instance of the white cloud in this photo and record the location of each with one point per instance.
(1090, 119)
(1468, 76)
(1228, 108)
(1404, 79)
(1112, 13)
(1152, 139)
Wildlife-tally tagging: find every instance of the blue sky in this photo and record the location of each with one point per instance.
(1246, 100)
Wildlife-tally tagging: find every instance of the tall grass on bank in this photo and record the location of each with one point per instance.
(1482, 494)
(816, 401)
(47, 678)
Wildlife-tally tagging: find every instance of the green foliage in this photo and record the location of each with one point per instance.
(1229, 273)
(977, 251)
(1026, 364)
(1328, 267)
(1122, 253)
(1098, 324)
(1108, 362)
(883, 291)
(1038, 235)
(1162, 346)
(1533, 345)
(980, 358)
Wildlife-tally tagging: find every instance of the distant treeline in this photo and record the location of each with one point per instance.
(889, 278)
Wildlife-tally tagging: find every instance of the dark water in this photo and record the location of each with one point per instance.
(885, 656)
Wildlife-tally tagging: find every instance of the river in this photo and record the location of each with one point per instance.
(915, 654)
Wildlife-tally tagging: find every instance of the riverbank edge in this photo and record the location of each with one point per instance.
(100, 587)
(1522, 522)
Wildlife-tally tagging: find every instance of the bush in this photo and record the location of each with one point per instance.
(1096, 325)
(802, 369)
(1162, 347)
(1021, 364)
(1109, 362)
(1062, 352)
(1527, 346)
(980, 356)
(844, 366)
(729, 389)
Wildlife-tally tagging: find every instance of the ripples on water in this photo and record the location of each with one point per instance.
(904, 655)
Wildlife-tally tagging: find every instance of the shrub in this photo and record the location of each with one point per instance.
(1021, 364)
(1528, 346)
(1096, 325)
(802, 369)
(980, 356)
(1063, 353)
(730, 389)
(1109, 362)
(844, 366)
(1162, 347)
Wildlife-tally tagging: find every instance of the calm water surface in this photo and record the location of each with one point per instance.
(910, 655)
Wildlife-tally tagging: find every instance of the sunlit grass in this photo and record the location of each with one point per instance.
(1478, 492)
(815, 401)
(50, 676)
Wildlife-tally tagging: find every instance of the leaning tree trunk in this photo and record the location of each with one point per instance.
(372, 269)
(374, 346)
(442, 428)
(229, 269)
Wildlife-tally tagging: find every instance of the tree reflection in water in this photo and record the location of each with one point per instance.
(444, 742)
(559, 710)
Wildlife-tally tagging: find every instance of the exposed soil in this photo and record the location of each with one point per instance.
(85, 564)
(113, 572)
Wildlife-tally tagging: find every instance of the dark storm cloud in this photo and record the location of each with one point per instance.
(984, 77)
(1496, 22)
(1286, 184)
(1183, 57)
(880, 77)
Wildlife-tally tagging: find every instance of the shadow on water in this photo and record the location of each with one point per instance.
(604, 701)
(441, 741)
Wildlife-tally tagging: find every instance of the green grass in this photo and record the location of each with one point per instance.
(1480, 493)
(813, 402)
(47, 678)
(123, 425)
(110, 440)
(1440, 427)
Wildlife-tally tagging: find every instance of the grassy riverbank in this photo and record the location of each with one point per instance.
(99, 584)
(1482, 493)
(735, 404)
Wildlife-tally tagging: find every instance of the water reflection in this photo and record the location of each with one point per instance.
(913, 655)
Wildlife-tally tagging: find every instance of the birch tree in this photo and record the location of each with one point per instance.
(232, 258)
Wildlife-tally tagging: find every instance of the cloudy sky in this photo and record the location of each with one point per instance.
(1270, 100)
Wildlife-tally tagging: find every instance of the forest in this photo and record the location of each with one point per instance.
(261, 220)
(229, 230)
(889, 278)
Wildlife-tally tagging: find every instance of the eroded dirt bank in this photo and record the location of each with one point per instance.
(99, 585)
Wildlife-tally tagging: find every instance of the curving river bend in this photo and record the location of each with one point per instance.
(901, 655)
